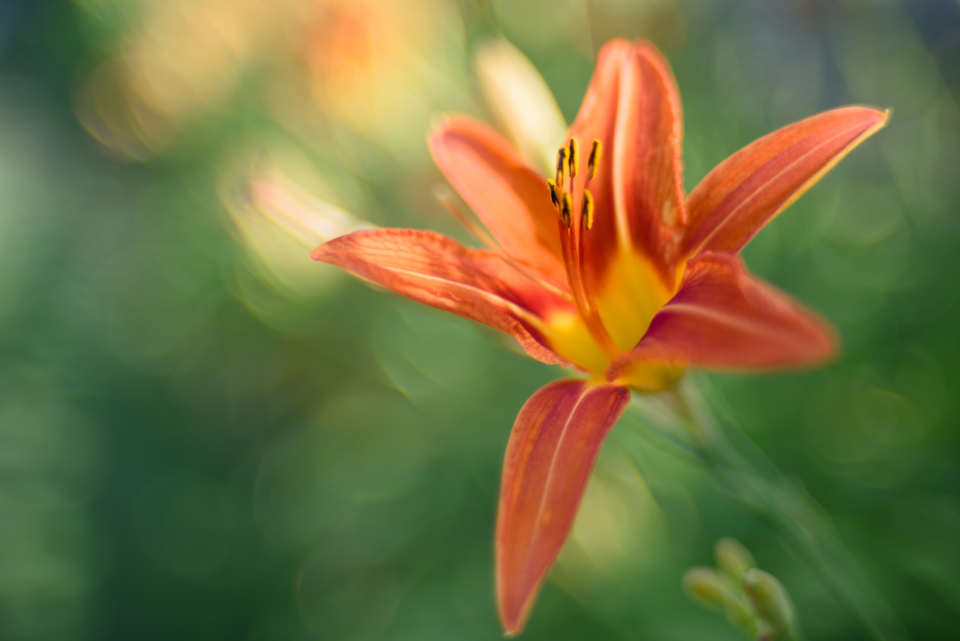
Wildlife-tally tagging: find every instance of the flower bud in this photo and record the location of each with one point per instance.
(707, 586)
(305, 218)
(733, 558)
(521, 101)
(769, 599)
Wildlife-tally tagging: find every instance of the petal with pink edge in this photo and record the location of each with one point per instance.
(552, 449)
(437, 271)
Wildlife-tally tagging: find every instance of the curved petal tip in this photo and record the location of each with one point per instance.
(552, 449)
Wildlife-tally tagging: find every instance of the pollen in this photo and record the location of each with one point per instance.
(554, 198)
(594, 160)
(566, 209)
(586, 210)
(573, 157)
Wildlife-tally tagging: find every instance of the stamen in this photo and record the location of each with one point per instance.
(573, 157)
(586, 209)
(594, 160)
(566, 209)
(571, 242)
(554, 198)
(572, 239)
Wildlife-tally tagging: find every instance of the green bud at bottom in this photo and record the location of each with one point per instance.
(769, 600)
(733, 558)
(706, 586)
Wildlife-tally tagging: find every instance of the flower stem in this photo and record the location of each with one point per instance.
(683, 418)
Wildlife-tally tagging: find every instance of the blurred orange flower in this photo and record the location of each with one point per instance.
(375, 65)
(607, 267)
(379, 65)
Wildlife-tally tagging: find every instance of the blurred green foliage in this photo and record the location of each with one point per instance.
(189, 451)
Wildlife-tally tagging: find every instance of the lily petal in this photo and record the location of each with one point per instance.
(630, 254)
(633, 107)
(552, 449)
(724, 317)
(746, 191)
(437, 271)
(509, 197)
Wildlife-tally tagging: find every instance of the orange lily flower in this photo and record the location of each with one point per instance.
(609, 268)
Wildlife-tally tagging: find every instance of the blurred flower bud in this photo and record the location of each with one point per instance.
(521, 101)
(707, 586)
(733, 558)
(770, 601)
(278, 223)
(301, 216)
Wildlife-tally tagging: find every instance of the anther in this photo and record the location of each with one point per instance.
(561, 166)
(594, 160)
(573, 157)
(554, 198)
(586, 211)
(566, 209)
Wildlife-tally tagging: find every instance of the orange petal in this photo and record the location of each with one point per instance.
(725, 318)
(509, 197)
(633, 107)
(437, 271)
(746, 191)
(552, 449)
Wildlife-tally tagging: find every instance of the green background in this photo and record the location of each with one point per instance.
(187, 451)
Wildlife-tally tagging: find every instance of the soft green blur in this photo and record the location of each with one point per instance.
(202, 437)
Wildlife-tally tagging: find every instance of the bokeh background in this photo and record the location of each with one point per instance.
(205, 435)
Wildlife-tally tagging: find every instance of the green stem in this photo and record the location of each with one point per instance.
(684, 419)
